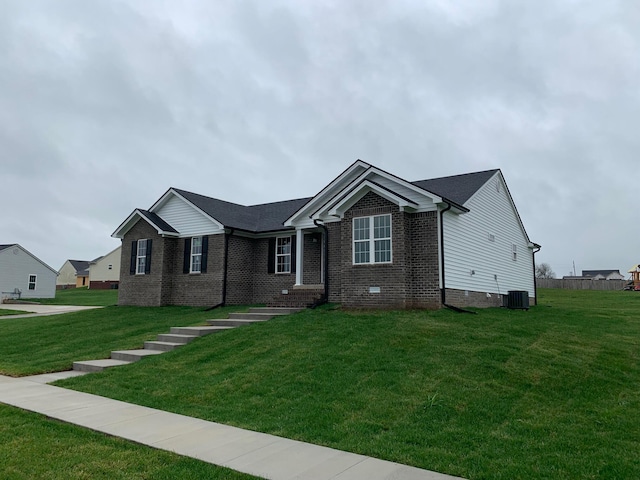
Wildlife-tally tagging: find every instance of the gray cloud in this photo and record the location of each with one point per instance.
(105, 104)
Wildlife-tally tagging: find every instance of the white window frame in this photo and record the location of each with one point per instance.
(280, 267)
(371, 240)
(141, 259)
(195, 255)
(35, 282)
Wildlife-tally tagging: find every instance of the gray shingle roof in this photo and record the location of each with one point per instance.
(256, 218)
(458, 188)
(269, 217)
(594, 273)
(81, 266)
(156, 220)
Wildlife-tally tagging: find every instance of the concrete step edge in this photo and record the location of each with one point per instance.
(97, 365)
(176, 338)
(134, 355)
(160, 345)
(198, 331)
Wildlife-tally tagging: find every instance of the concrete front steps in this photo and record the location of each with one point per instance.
(180, 336)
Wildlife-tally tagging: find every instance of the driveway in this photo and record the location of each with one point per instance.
(40, 310)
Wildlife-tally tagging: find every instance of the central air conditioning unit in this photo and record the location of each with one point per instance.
(518, 299)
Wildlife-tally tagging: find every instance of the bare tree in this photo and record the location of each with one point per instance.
(544, 271)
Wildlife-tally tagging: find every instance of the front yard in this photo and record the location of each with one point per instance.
(548, 393)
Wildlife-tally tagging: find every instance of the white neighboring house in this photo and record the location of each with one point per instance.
(104, 272)
(24, 275)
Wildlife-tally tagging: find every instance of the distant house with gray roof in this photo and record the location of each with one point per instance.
(73, 274)
(23, 275)
(602, 274)
(368, 239)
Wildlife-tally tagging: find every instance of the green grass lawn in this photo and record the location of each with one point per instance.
(6, 311)
(81, 296)
(552, 392)
(48, 344)
(32, 447)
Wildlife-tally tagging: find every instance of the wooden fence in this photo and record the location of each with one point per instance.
(581, 284)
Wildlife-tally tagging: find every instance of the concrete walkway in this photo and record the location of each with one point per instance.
(40, 310)
(255, 453)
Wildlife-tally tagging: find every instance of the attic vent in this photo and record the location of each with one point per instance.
(492, 237)
(498, 185)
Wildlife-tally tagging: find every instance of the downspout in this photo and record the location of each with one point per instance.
(443, 295)
(325, 297)
(535, 280)
(225, 271)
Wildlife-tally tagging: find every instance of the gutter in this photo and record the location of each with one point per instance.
(225, 271)
(535, 280)
(325, 296)
(443, 295)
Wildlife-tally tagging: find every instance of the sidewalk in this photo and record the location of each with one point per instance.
(40, 310)
(250, 452)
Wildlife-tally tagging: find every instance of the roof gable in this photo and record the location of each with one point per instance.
(422, 195)
(162, 227)
(5, 247)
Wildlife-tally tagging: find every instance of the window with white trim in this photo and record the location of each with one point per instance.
(196, 254)
(141, 257)
(372, 239)
(283, 255)
(32, 282)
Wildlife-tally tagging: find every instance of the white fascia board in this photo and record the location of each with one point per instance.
(172, 192)
(131, 221)
(365, 187)
(435, 198)
(319, 199)
(397, 199)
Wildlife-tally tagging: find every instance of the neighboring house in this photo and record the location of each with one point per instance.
(635, 275)
(104, 272)
(369, 238)
(23, 275)
(73, 274)
(602, 274)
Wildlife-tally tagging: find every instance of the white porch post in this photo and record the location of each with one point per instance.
(299, 256)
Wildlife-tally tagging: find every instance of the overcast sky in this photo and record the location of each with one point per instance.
(104, 105)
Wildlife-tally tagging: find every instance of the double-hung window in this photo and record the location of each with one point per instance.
(283, 255)
(372, 239)
(32, 282)
(141, 257)
(196, 254)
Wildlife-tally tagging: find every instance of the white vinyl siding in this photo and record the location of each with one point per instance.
(468, 247)
(185, 218)
(106, 269)
(17, 266)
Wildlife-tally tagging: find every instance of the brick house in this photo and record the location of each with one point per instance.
(368, 239)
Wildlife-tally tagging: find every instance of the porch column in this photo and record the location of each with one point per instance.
(299, 256)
